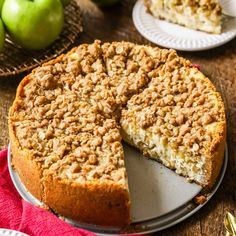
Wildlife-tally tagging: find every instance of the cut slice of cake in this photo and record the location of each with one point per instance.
(204, 15)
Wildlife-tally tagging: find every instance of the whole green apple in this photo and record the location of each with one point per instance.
(33, 24)
(2, 35)
(65, 2)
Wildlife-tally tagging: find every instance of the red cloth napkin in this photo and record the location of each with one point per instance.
(17, 214)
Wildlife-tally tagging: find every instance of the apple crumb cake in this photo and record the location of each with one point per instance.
(70, 114)
(204, 15)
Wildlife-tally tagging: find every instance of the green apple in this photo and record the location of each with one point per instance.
(65, 2)
(33, 24)
(2, 35)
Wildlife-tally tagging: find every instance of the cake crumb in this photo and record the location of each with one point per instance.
(200, 199)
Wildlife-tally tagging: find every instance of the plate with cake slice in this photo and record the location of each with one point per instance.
(184, 25)
(118, 137)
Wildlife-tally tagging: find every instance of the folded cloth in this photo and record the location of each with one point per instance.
(17, 214)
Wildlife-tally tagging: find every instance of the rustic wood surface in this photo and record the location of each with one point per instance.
(115, 24)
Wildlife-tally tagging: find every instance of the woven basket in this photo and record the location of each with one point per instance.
(15, 60)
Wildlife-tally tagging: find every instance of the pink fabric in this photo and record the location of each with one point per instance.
(196, 66)
(17, 214)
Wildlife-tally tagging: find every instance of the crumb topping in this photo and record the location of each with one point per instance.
(77, 143)
(181, 106)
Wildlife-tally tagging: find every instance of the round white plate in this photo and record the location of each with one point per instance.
(160, 198)
(8, 232)
(178, 37)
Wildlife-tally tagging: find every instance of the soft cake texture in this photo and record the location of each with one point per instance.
(202, 15)
(70, 114)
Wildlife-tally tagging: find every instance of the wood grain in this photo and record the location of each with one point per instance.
(115, 24)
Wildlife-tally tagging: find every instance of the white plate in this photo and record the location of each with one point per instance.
(8, 232)
(160, 198)
(229, 7)
(178, 37)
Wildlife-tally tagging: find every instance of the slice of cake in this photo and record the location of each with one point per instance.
(204, 15)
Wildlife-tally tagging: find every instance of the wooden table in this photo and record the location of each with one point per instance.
(219, 64)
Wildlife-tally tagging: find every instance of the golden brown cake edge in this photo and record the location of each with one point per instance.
(104, 204)
(216, 158)
(29, 171)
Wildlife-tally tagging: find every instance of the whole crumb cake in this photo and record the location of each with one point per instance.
(205, 15)
(70, 115)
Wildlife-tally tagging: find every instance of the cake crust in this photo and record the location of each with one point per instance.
(216, 155)
(99, 203)
(29, 171)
